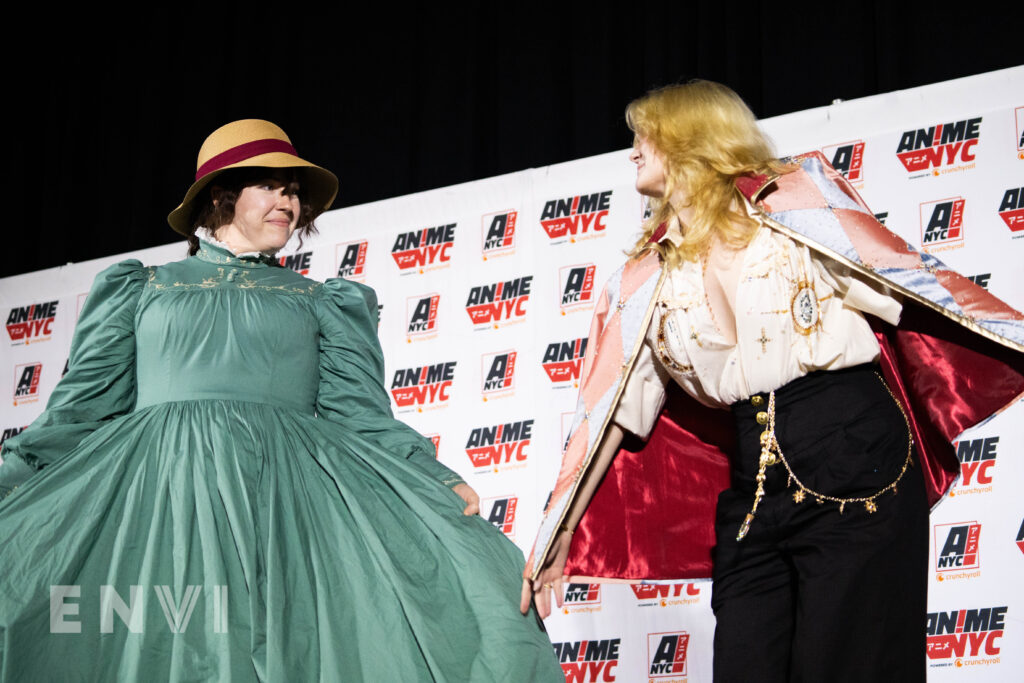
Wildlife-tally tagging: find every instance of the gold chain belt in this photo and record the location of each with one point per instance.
(771, 453)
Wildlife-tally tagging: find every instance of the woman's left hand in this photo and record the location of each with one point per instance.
(466, 493)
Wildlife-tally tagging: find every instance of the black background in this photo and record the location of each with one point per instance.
(106, 112)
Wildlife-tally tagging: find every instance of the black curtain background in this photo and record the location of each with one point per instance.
(106, 111)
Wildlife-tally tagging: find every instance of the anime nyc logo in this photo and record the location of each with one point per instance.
(582, 594)
(942, 148)
(500, 302)
(414, 251)
(491, 448)
(421, 315)
(423, 388)
(588, 661)
(498, 372)
(942, 223)
(563, 361)
(1011, 209)
(26, 382)
(351, 257)
(498, 233)
(957, 551)
(576, 284)
(297, 262)
(581, 597)
(665, 594)
(582, 216)
(977, 458)
(848, 159)
(501, 512)
(666, 655)
(965, 634)
(33, 323)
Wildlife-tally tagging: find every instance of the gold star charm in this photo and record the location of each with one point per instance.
(870, 506)
(798, 496)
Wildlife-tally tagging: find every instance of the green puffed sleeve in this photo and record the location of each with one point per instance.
(352, 376)
(99, 384)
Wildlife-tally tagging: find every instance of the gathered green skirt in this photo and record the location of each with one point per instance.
(219, 540)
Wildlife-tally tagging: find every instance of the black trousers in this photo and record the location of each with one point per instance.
(812, 594)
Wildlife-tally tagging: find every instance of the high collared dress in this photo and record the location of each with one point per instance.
(218, 491)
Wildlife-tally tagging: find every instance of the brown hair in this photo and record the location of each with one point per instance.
(214, 215)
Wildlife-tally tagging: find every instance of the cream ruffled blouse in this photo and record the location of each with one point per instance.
(795, 312)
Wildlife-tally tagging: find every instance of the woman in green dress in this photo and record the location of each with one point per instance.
(217, 489)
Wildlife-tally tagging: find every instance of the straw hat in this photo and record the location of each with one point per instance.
(247, 143)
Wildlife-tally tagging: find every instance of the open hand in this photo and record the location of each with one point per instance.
(550, 580)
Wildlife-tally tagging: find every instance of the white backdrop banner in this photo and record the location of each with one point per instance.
(486, 291)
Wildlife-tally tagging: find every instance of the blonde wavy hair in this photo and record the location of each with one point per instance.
(707, 137)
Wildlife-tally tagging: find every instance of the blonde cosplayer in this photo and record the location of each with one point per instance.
(707, 137)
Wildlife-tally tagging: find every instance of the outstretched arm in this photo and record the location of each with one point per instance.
(552, 574)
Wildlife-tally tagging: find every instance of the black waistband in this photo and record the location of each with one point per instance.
(804, 387)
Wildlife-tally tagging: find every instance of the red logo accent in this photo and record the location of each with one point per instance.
(423, 247)
(666, 654)
(498, 233)
(661, 591)
(351, 258)
(582, 594)
(941, 145)
(297, 262)
(577, 285)
(848, 159)
(501, 512)
(501, 301)
(499, 444)
(498, 371)
(31, 323)
(965, 632)
(578, 215)
(1011, 209)
(421, 314)
(26, 380)
(563, 360)
(423, 386)
(957, 546)
(942, 221)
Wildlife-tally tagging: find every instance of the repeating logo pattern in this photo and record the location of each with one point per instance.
(413, 251)
(491, 447)
(939, 147)
(569, 218)
(428, 386)
(666, 655)
(351, 258)
(26, 324)
(498, 234)
(589, 661)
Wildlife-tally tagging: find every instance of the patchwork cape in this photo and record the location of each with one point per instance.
(652, 517)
